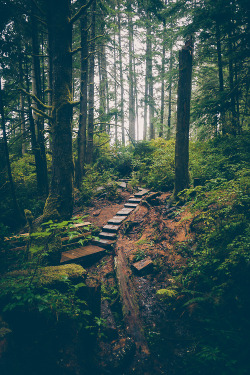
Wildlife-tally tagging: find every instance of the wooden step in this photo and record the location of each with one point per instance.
(122, 184)
(117, 220)
(134, 200)
(110, 228)
(82, 253)
(107, 235)
(131, 205)
(106, 244)
(124, 212)
(143, 266)
(141, 193)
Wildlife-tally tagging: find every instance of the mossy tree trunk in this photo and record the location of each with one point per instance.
(60, 200)
(183, 118)
(83, 101)
(42, 175)
(89, 158)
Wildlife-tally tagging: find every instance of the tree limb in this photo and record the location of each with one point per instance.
(41, 113)
(80, 12)
(36, 99)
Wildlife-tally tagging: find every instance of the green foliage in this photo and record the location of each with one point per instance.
(154, 164)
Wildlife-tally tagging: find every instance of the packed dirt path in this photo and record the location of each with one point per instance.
(152, 230)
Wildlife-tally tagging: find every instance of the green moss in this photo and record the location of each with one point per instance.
(45, 276)
(29, 217)
(50, 211)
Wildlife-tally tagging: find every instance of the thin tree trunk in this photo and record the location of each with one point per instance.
(16, 208)
(233, 129)
(59, 204)
(115, 88)
(183, 118)
(170, 87)
(89, 158)
(162, 82)
(121, 72)
(22, 116)
(131, 77)
(37, 91)
(83, 101)
(146, 99)
(221, 79)
(150, 85)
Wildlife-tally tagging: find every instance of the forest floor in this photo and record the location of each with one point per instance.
(150, 231)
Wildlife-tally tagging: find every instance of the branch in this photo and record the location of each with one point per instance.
(75, 51)
(80, 12)
(36, 99)
(74, 104)
(41, 113)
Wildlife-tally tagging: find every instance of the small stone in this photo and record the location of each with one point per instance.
(96, 213)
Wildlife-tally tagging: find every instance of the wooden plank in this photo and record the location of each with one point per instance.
(80, 253)
(143, 266)
(122, 184)
(111, 228)
(141, 193)
(106, 244)
(124, 212)
(134, 200)
(131, 205)
(107, 235)
(117, 219)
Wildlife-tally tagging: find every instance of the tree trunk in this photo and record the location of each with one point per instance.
(131, 76)
(59, 204)
(170, 87)
(150, 85)
(146, 98)
(16, 208)
(121, 72)
(37, 91)
(22, 116)
(221, 80)
(162, 82)
(183, 118)
(115, 88)
(89, 158)
(83, 101)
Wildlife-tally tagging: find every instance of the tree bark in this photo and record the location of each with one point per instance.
(170, 87)
(16, 208)
(121, 72)
(59, 204)
(220, 69)
(37, 91)
(183, 118)
(162, 82)
(150, 85)
(131, 76)
(81, 140)
(89, 158)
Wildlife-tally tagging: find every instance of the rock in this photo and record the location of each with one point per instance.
(96, 213)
